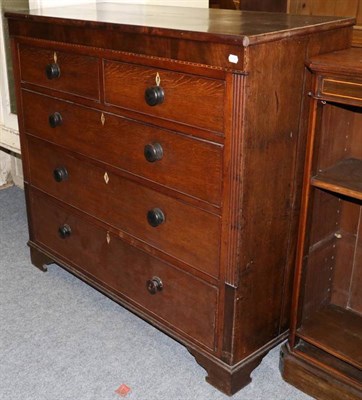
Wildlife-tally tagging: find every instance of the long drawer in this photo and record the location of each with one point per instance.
(61, 71)
(188, 99)
(164, 292)
(185, 232)
(183, 163)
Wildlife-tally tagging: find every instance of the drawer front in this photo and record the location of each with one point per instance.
(341, 90)
(188, 165)
(78, 74)
(187, 233)
(189, 99)
(185, 303)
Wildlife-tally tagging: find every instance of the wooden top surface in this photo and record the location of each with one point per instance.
(340, 62)
(214, 25)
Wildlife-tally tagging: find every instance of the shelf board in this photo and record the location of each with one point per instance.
(344, 178)
(337, 331)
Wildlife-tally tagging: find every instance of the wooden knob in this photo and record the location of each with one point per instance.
(154, 95)
(55, 120)
(154, 285)
(155, 217)
(153, 152)
(52, 71)
(60, 174)
(64, 231)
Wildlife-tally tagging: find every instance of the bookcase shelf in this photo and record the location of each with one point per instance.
(337, 331)
(344, 178)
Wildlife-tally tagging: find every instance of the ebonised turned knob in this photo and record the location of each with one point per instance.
(153, 152)
(154, 285)
(52, 71)
(155, 217)
(154, 95)
(60, 174)
(64, 231)
(55, 119)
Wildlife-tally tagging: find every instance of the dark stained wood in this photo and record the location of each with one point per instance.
(39, 259)
(352, 374)
(331, 7)
(265, 140)
(346, 257)
(340, 145)
(217, 26)
(180, 302)
(350, 92)
(264, 5)
(323, 329)
(233, 119)
(125, 86)
(321, 263)
(314, 380)
(323, 357)
(343, 178)
(355, 301)
(78, 74)
(120, 142)
(261, 5)
(228, 380)
(346, 62)
(125, 204)
(341, 81)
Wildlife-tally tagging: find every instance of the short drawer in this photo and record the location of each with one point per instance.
(343, 90)
(61, 71)
(185, 232)
(185, 98)
(186, 164)
(162, 291)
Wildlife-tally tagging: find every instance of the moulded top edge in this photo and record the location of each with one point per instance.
(234, 27)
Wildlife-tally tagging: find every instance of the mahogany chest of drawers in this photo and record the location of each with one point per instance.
(162, 151)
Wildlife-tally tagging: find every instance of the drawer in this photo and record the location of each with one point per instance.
(183, 231)
(188, 99)
(339, 89)
(187, 165)
(185, 303)
(57, 70)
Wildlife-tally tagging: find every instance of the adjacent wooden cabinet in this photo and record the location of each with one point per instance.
(324, 354)
(163, 151)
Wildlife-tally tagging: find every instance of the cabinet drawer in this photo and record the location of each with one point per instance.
(186, 303)
(341, 89)
(186, 164)
(78, 74)
(187, 233)
(189, 99)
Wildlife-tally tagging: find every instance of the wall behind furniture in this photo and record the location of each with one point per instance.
(339, 8)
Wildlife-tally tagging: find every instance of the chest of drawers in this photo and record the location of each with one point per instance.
(162, 151)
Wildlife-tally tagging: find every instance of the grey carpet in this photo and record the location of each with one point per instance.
(60, 339)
